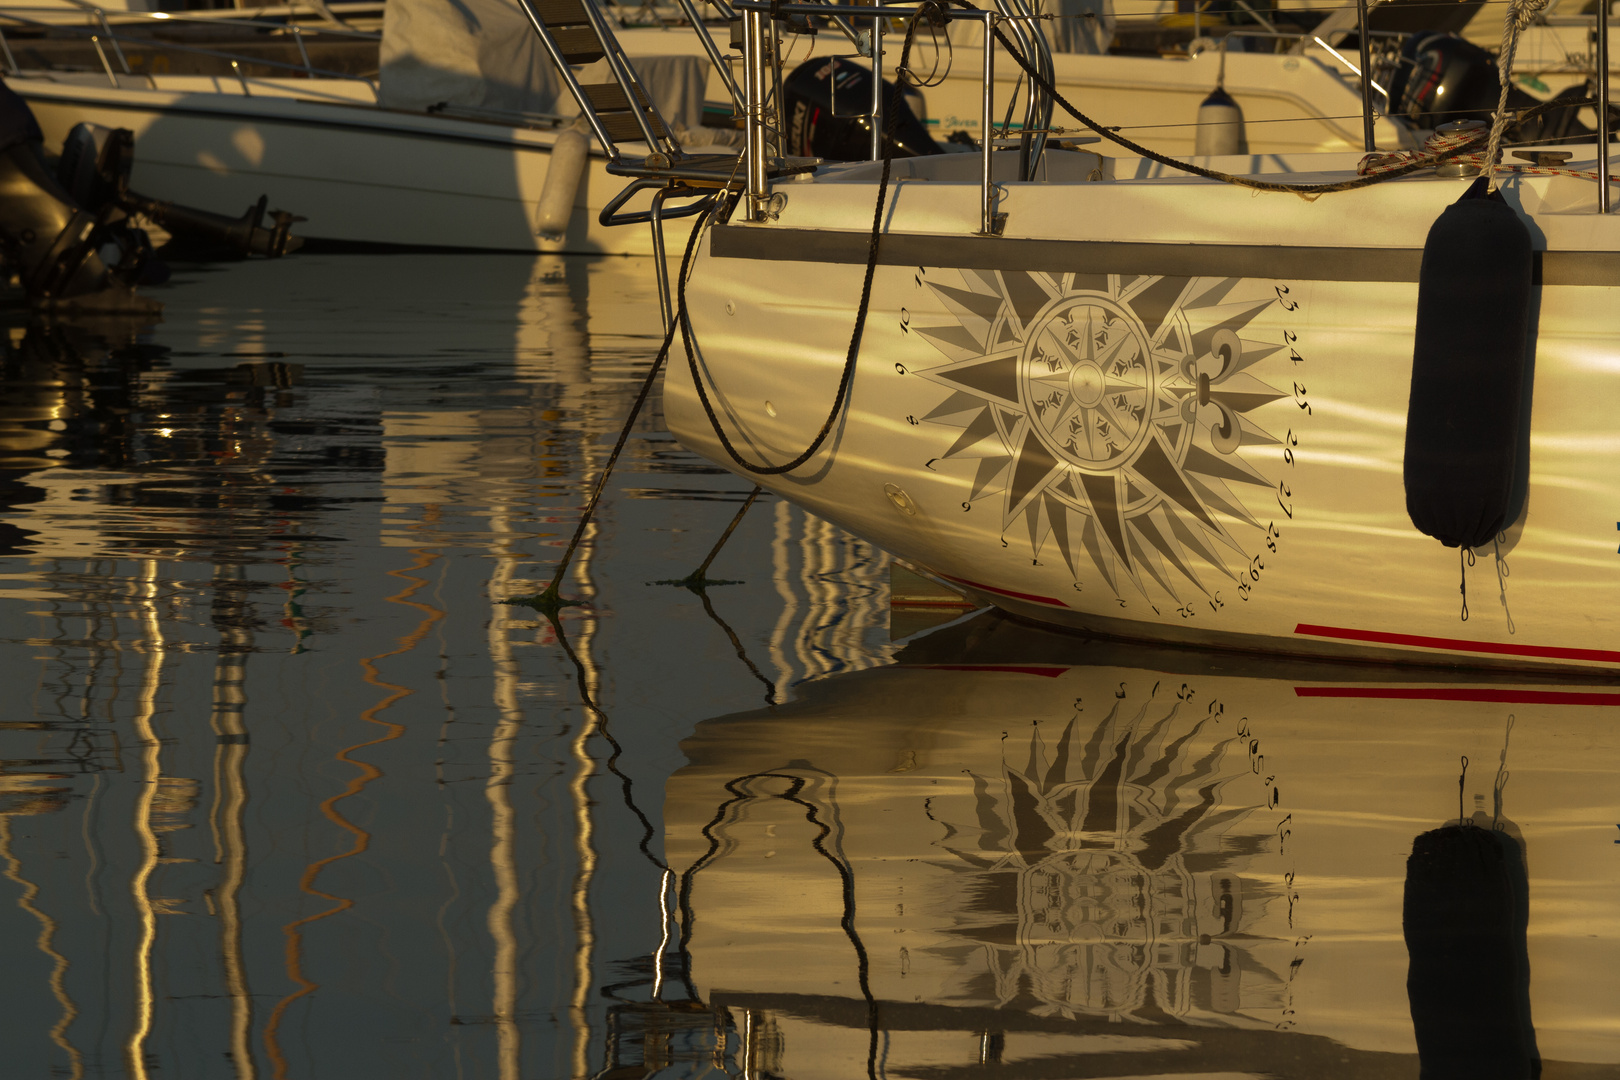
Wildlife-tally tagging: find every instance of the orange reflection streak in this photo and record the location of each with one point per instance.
(368, 773)
(45, 944)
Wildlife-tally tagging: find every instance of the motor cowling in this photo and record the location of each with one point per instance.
(825, 102)
(95, 168)
(1471, 367)
(1442, 77)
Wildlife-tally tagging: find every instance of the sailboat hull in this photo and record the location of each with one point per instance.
(1100, 426)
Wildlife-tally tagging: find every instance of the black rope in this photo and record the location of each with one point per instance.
(549, 596)
(736, 643)
(889, 122)
(846, 877)
(1037, 79)
(647, 830)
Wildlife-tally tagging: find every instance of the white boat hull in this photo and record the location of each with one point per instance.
(1271, 514)
(359, 174)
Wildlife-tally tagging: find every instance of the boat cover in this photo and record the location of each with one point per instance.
(1081, 26)
(482, 54)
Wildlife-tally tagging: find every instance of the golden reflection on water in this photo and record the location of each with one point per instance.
(366, 772)
(1051, 858)
(46, 944)
(225, 818)
(152, 779)
(502, 850)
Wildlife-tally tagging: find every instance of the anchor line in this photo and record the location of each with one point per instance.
(890, 119)
(629, 421)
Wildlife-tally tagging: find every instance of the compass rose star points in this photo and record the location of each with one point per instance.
(1105, 424)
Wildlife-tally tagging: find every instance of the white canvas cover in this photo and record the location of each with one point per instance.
(1081, 26)
(483, 54)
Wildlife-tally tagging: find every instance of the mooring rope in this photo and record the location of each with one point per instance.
(550, 596)
(847, 376)
(1520, 14)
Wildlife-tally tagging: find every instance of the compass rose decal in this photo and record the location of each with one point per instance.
(1109, 412)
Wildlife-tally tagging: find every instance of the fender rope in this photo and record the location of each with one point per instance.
(1520, 14)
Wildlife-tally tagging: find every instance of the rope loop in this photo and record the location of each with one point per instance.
(854, 352)
(1520, 14)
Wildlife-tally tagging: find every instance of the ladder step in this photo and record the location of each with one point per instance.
(561, 12)
(579, 44)
(610, 97)
(622, 126)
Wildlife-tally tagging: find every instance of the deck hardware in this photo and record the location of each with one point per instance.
(96, 41)
(1366, 78)
(298, 39)
(112, 39)
(1603, 104)
(987, 197)
(877, 87)
(1544, 158)
(902, 502)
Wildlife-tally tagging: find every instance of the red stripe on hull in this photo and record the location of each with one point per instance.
(1418, 641)
(1006, 592)
(1048, 672)
(1487, 694)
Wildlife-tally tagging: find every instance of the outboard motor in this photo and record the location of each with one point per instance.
(51, 240)
(826, 100)
(1442, 77)
(95, 168)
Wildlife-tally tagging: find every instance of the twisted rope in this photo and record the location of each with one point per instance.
(1520, 14)
(891, 117)
(1461, 146)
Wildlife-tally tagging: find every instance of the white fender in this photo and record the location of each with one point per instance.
(569, 158)
(1220, 126)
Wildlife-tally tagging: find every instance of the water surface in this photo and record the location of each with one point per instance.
(288, 790)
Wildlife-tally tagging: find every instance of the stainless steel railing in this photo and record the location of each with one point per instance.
(100, 32)
(1603, 104)
(757, 76)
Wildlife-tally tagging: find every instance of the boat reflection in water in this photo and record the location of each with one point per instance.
(1072, 858)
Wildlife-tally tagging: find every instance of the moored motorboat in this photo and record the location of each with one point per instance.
(1166, 406)
(454, 156)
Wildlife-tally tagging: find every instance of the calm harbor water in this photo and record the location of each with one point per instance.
(287, 789)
